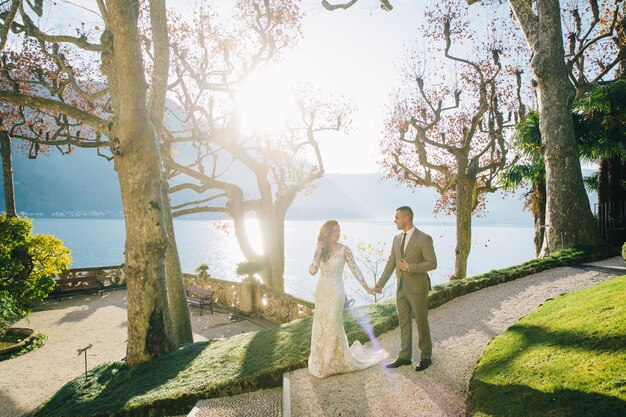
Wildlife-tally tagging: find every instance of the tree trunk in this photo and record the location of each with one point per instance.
(138, 165)
(603, 182)
(176, 295)
(464, 208)
(273, 234)
(237, 212)
(623, 172)
(7, 174)
(568, 215)
(278, 279)
(615, 181)
(539, 213)
(175, 285)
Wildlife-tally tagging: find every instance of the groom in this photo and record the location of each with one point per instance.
(412, 255)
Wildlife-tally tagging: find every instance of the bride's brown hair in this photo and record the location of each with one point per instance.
(325, 232)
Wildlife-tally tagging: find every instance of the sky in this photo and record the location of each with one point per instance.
(353, 53)
(356, 53)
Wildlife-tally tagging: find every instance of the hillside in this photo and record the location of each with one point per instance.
(83, 184)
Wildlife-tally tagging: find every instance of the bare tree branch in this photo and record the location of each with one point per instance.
(384, 4)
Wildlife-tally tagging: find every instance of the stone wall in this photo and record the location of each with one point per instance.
(112, 276)
(253, 298)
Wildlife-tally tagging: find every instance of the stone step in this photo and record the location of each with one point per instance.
(262, 403)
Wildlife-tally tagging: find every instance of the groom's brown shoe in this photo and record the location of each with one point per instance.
(397, 363)
(423, 364)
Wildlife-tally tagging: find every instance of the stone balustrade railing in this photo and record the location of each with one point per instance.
(253, 298)
(282, 308)
(112, 276)
(248, 296)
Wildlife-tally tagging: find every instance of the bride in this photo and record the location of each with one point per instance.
(330, 353)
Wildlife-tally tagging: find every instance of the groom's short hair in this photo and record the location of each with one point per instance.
(406, 210)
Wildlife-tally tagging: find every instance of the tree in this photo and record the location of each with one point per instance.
(7, 174)
(595, 48)
(211, 141)
(595, 39)
(280, 170)
(91, 90)
(373, 258)
(598, 117)
(448, 139)
(568, 215)
(529, 171)
(28, 265)
(384, 4)
(603, 110)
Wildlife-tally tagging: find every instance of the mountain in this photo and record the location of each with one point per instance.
(379, 197)
(83, 184)
(77, 184)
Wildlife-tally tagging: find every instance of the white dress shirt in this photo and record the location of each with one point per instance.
(409, 233)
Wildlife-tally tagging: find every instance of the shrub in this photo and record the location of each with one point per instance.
(8, 311)
(250, 268)
(203, 269)
(28, 265)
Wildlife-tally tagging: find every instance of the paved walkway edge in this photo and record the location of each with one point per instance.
(195, 409)
(286, 395)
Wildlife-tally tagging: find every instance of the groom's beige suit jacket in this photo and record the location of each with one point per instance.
(412, 290)
(420, 255)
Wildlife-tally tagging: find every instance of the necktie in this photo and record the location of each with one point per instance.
(402, 244)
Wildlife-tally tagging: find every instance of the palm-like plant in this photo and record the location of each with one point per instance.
(603, 111)
(600, 123)
(531, 172)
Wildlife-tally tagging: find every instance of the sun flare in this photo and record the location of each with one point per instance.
(265, 103)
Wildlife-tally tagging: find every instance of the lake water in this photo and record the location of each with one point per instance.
(99, 242)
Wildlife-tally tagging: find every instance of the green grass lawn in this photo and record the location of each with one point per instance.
(173, 383)
(568, 358)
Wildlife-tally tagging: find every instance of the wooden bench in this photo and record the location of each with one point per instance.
(77, 285)
(199, 297)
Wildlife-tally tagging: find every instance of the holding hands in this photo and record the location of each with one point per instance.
(376, 290)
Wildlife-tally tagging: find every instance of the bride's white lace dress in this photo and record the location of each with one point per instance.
(330, 353)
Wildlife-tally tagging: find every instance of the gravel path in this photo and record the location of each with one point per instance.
(262, 403)
(461, 329)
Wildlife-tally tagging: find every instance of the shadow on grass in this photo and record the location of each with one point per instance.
(273, 351)
(524, 401)
(110, 388)
(539, 336)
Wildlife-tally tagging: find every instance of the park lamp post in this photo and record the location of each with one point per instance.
(84, 351)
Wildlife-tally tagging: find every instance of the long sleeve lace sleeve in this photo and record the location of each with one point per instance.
(315, 265)
(349, 258)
